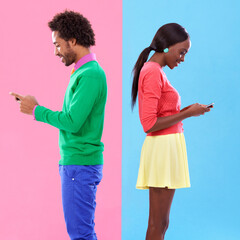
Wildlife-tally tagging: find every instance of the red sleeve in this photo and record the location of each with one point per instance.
(151, 89)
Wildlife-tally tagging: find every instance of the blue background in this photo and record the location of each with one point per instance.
(210, 73)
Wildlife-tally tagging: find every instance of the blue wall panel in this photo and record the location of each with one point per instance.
(210, 208)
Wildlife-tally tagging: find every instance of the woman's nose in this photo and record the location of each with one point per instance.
(182, 58)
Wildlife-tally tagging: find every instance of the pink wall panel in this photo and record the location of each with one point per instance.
(30, 202)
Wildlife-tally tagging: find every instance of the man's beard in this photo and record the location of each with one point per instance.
(69, 58)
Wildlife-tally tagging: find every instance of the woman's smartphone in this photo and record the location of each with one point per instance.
(210, 105)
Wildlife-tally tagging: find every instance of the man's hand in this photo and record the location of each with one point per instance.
(27, 103)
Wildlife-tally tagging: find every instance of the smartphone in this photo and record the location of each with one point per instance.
(210, 105)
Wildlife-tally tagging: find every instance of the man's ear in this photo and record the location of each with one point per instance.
(72, 42)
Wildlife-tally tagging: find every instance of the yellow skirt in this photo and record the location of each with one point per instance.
(164, 162)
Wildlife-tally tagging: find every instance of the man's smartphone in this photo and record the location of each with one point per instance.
(210, 105)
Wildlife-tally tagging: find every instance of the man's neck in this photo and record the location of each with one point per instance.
(81, 53)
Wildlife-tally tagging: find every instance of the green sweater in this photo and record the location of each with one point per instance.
(81, 120)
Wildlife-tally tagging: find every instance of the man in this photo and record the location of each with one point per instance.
(80, 122)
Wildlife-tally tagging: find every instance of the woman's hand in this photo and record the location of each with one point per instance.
(182, 110)
(196, 109)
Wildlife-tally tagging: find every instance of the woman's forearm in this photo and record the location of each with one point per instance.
(166, 122)
(189, 111)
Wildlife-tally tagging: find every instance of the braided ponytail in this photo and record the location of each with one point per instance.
(136, 72)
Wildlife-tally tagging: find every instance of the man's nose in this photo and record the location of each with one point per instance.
(56, 51)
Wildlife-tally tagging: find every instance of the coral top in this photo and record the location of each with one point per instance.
(157, 98)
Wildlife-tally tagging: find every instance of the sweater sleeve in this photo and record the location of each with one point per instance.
(79, 109)
(151, 86)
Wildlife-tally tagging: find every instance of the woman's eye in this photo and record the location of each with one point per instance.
(182, 53)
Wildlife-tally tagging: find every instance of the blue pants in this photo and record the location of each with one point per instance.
(79, 187)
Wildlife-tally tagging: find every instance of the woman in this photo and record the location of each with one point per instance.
(163, 165)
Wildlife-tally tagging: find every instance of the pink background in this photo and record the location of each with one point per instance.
(30, 202)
